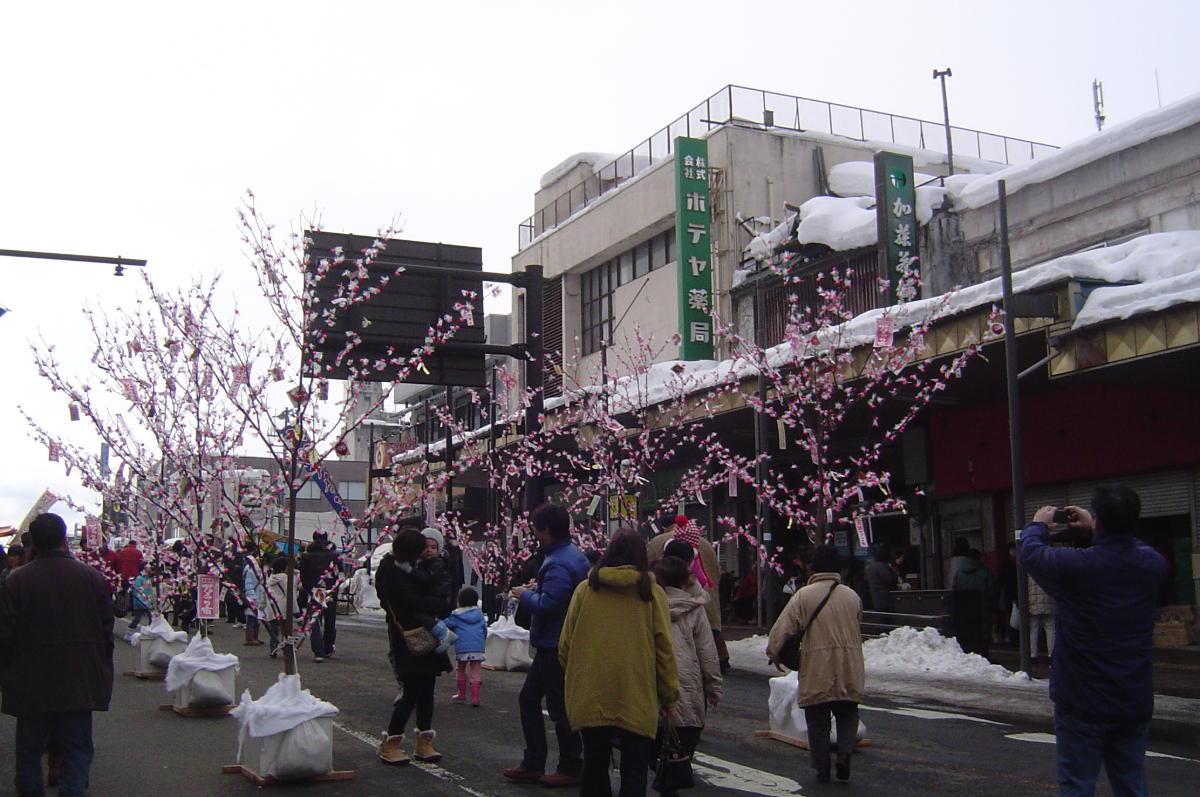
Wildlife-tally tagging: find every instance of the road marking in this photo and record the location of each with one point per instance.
(927, 714)
(429, 769)
(1048, 738)
(725, 774)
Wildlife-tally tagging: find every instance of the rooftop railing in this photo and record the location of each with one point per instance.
(765, 110)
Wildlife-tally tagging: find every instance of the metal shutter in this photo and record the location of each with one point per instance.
(1035, 499)
(1162, 494)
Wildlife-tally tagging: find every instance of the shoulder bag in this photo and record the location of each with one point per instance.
(789, 653)
(420, 641)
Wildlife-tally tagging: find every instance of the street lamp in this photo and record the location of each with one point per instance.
(942, 75)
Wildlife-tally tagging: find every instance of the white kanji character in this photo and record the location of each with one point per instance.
(701, 162)
(701, 174)
(907, 261)
(697, 265)
(903, 235)
(696, 231)
(695, 201)
(698, 299)
(900, 208)
(698, 332)
(688, 172)
(688, 160)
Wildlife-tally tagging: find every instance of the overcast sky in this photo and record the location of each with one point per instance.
(134, 129)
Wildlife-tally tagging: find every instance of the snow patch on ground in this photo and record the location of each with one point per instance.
(904, 651)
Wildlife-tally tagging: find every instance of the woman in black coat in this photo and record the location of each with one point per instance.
(403, 595)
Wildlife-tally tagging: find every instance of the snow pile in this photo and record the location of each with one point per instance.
(589, 158)
(903, 651)
(926, 652)
(1117, 138)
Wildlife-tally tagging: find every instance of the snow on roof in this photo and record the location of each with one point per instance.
(1118, 137)
(590, 158)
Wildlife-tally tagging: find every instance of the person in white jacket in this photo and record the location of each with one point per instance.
(695, 651)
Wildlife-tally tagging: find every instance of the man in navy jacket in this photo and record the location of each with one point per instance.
(1101, 679)
(563, 569)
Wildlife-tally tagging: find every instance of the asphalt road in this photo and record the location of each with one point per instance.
(920, 745)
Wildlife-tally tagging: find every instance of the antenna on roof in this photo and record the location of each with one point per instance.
(1098, 103)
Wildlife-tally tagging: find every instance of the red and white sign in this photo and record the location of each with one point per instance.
(91, 533)
(208, 597)
(861, 530)
(885, 331)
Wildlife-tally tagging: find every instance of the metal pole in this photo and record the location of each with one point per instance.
(535, 493)
(1014, 415)
(370, 489)
(762, 529)
(942, 75)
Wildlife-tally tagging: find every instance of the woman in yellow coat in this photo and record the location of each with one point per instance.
(619, 660)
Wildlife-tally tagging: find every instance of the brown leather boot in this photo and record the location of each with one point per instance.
(392, 750)
(53, 769)
(251, 638)
(423, 751)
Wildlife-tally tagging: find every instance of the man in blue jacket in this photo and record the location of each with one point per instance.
(1101, 681)
(562, 570)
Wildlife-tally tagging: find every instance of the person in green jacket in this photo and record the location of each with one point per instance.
(619, 658)
(973, 575)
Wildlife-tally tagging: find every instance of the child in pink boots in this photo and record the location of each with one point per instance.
(467, 621)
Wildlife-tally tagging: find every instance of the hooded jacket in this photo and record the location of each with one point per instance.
(831, 658)
(468, 622)
(712, 569)
(695, 655)
(618, 655)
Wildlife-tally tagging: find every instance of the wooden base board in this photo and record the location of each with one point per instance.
(801, 743)
(147, 676)
(219, 711)
(259, 780)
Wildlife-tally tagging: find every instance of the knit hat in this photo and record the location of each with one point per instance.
(435, 535)
(687, 531)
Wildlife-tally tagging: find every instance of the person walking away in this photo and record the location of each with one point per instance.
(882, 579)
(319, 565)
(619, 658)
(831, 677)
(696, 658)
(705, 566)
(275, 606)
(141, 600)
(56, 666)
(402, 599)
(1043, 611)
(254, 590)
(1101, 683)
(974, 576)
(958, 558)
(563, 567)
(468, 623)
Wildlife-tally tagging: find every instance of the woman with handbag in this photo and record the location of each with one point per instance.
(619, 660)
(699, 671)
(827, 617)
(412, 648)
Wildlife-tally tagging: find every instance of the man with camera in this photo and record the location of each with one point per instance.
(1101, 680)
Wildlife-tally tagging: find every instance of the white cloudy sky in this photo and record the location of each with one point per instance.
(135, 128)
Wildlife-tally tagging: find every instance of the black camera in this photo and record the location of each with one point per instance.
(1064, 516)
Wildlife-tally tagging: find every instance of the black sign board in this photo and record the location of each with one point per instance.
(391, 324)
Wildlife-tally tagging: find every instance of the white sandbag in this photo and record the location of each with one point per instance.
(505, 628)
(786, 716)
(305, 751)
(161, 629)
(506, 654)
(208, 689)
(284, 706)
(155, 654)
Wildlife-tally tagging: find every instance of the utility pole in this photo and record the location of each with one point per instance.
(942, 74)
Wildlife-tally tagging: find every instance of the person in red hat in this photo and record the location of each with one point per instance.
(705, 568)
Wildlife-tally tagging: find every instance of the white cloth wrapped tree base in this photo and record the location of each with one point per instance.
(157, 644)
(787, 718)
(507, 646)
(287, 734)
(201, 678)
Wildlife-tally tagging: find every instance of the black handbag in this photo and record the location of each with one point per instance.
(121, 602)
(789, 652)
(674, 768)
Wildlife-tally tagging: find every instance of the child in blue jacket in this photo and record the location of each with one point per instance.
(468, 622)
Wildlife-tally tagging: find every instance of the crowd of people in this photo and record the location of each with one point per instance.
(649, 695)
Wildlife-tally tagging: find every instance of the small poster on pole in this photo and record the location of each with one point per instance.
(860, 529)
(207, 597)
(91, 533)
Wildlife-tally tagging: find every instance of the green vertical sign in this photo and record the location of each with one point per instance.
(693, 234)
(896, 214)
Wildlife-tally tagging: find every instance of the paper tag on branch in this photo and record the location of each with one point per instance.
(885, 332)
(733, 484)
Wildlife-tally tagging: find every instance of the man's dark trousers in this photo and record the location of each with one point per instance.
(547, 679)
(72, 730)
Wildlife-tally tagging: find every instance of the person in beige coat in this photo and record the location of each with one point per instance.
(1043, 611)
(682, 528)
(695, 653)
(831, 660)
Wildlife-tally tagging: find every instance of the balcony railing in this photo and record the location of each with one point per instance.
(765, 110)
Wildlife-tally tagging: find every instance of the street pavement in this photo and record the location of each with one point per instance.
(928, 736)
